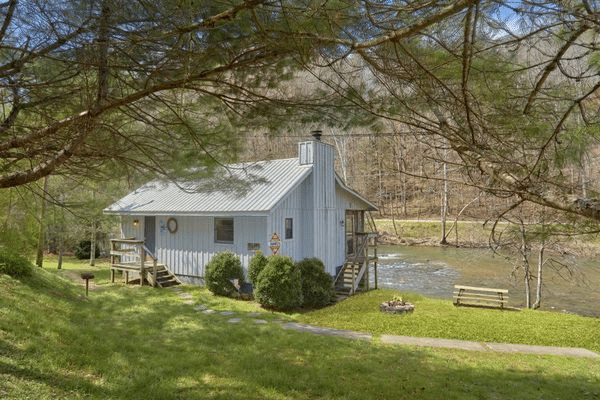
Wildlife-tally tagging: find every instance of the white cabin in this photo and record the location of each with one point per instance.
(295, 207)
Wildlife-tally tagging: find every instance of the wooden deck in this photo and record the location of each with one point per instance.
(130, 255)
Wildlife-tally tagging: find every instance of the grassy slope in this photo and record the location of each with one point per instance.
(131, 342)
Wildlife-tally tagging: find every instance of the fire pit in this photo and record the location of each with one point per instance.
(396, 306)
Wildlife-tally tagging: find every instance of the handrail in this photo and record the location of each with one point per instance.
(147, 252)
(361, 251)
(139, 251)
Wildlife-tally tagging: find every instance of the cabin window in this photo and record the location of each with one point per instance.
(223, 230)
(289, 228)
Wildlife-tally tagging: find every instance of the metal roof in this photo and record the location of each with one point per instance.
(237, 188)
(367, 204)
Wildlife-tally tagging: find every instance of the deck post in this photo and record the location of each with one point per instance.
(375, 271)
(375, 260)
(367, 274)
(142, 270)
(353, 277)
(154, 268)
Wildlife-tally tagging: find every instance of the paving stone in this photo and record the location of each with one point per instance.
(260, 321)
(498, 347)
(234, 320)
(208, 311)
(189, 302)
(552, 350)
(185, 295)
(200, 307)
(226, 313)
(254, 314)
(327, 331)
(430, 342)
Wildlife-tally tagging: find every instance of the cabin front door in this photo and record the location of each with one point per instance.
(150, 233)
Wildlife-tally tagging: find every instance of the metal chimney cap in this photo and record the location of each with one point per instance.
(317, 134)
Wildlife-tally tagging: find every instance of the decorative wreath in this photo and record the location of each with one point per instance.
(172, 225)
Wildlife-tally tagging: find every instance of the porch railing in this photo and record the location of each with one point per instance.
(131, 255)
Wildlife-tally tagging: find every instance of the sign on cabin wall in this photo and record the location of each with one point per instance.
(275, 243)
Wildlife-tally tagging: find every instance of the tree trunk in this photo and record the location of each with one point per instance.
(42, 233)
(527, 272)
(538, 291)
(93, 244)
(444, 208)
(61, 234)
(61, 250)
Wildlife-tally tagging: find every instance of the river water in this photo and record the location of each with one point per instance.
(433, 271)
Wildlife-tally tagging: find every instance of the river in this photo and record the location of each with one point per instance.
(433, 271)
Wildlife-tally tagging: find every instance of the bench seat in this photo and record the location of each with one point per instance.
(474, 296)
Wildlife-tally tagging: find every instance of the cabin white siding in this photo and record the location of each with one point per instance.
(303, 189)
(192, 246)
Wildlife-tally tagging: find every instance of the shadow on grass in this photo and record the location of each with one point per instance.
(131, 343)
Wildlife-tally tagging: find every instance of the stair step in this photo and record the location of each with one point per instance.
(164, 277)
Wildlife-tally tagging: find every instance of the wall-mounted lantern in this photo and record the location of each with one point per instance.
(136, 222)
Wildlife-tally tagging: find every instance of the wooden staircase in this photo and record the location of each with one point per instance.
(130, 255)
(354, 273)
(163, 277)
(351, 276)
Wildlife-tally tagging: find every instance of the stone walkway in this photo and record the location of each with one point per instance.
(400, 340)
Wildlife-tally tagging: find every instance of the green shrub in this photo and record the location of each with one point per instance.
(84, 250)
(279, 284)
(220, 271)
(257, 263)
(317, 285)
(14, 265)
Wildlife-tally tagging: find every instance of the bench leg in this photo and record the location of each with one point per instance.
(460, 293)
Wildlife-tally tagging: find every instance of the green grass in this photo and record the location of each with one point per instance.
(143, 343)
(441, 319)
(470, 233)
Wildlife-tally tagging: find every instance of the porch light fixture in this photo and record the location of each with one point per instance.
(136, 222)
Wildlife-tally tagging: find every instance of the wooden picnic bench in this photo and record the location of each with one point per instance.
(480, 297)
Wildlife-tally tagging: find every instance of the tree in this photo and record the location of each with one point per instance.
(90, 87)
(531, 236)
(517, 105)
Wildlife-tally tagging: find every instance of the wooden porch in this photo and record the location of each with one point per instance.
(130, 255)
(361, 254)
(354, 274)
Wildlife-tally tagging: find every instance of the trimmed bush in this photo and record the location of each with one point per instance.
(279, 284)
(14, 265)
(257, 263)
(317, 285)
(84, 250)
(220, 270)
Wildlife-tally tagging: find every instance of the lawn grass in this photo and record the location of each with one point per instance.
(131, 342)
(467, 233)
(441, 319)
